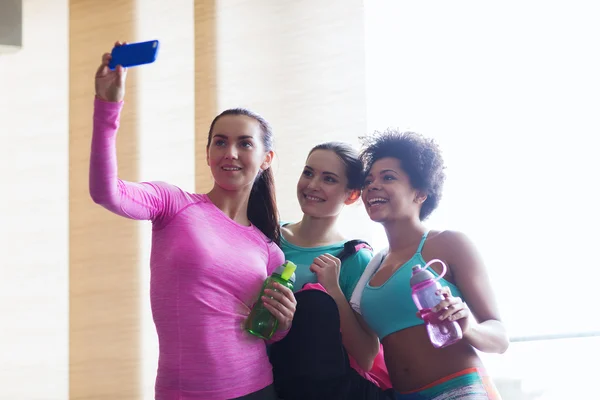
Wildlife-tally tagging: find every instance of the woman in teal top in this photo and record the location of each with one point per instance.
(350, 271)
(331, 179)
(403, 186)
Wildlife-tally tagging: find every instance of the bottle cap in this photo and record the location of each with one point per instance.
(287, 271)
(420, 275)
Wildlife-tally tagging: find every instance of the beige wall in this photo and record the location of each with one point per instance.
(166, 124)
(300, 64)
(34, 238)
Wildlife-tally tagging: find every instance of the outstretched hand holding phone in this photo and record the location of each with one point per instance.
(110, 84)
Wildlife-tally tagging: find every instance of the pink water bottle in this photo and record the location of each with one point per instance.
(424, 286)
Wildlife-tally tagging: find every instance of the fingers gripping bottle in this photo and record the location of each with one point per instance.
(424, 286)
(261, 322)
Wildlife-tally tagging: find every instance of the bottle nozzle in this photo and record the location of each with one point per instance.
(288, 269)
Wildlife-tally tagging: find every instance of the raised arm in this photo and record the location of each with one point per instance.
(131, 200)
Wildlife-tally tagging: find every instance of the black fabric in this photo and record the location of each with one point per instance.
(311, 362)
(350, 248)
(267, 393)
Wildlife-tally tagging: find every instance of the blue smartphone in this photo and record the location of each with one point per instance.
(133, 54)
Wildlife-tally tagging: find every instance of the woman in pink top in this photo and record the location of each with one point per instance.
(210, 252)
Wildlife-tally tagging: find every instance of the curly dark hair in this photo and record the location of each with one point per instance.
(420, 157)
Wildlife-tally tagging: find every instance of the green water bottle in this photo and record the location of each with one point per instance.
(261, 322)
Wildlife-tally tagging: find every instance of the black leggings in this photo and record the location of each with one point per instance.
(311, 362)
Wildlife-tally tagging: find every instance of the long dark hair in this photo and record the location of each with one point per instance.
(262, 208)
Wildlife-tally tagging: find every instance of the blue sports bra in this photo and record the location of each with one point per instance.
(389, 308)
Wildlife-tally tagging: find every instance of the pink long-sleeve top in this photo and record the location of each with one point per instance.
(206, 272)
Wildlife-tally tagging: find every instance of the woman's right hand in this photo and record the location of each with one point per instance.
(110, 85)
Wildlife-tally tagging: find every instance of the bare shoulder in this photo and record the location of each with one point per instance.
(449, 242)
(455, 248)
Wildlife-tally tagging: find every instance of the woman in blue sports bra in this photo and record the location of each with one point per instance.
(405, 175)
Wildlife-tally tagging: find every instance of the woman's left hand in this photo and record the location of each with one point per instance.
(454, 309)
(280, 302)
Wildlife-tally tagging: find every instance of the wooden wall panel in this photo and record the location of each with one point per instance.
(205, 25)
(104, 250)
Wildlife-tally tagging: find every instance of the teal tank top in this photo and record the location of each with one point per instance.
(389, 308)
(351, 271)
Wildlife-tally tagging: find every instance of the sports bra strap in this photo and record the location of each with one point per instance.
(422, 242)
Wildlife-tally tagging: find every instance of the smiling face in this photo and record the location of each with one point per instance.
(322, 188)
(236, 153)
(388, 194)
